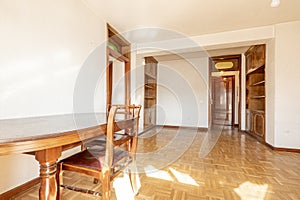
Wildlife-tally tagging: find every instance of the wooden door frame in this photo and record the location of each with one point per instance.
(109, 82)
(123, 56)
(232, 96)
(211, 64)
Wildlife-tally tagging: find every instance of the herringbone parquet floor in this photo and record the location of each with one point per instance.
(188, 164)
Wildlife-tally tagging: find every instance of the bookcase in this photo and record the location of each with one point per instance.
(150, 92)
(255, 91)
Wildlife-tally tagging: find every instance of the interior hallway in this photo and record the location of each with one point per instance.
(237, 167)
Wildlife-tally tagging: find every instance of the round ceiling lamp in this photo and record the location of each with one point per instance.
(275, 3)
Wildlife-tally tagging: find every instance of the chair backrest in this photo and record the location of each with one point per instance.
(121, 118)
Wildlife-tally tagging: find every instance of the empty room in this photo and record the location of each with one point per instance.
(149, 100)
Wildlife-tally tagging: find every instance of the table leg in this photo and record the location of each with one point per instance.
(48, 165)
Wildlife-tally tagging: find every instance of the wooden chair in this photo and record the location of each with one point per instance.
(105, 159)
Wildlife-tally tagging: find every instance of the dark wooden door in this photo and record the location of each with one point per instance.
(223, 100)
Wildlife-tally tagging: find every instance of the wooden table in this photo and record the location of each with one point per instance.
(46, 137)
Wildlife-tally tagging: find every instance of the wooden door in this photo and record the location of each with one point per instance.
(223, 100)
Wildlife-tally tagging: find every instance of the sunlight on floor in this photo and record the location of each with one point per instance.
(252, 191)
(123, 188)
(155, 173)
(183, 178)
(164, 175)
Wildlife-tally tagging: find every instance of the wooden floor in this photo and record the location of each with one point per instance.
(188, 164)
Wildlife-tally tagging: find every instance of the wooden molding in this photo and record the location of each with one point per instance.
(271, 146)
(287, 150)
(21, 188)
(147, 129)
(123, 55)
(236, 67)
(150, 59)
(283, 149)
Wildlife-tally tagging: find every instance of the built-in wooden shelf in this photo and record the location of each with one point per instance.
(257, 97)
(149, 86)
(256, 69)
(255, 91)
(259, 111)
(259, 83)
(150, 97)
(151, 76)
(150, 92)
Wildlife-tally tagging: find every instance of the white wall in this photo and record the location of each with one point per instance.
(43, 45)
(182, 97)
(243, 92)
(287, 96)
(118, 85)
(137, 83)
(270, 91)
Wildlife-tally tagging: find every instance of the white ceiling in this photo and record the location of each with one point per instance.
(193, 17)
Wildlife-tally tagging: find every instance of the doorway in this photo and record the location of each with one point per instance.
(118, 68)
(224, 87)
(223, 100)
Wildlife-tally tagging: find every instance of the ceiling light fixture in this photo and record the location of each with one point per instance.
(275, 3)
(224, 65)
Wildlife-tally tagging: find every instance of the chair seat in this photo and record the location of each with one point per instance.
(119, 139)
(93, 158)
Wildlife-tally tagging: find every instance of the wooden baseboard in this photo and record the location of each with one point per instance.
(168, 126)
(272, 147)
(21, 188)
(186, 127)
(283, 149)
(146, 129)
(287, 150)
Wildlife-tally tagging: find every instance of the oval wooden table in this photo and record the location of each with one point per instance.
(46, 137)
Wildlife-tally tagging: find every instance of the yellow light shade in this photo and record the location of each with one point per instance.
(224, 65)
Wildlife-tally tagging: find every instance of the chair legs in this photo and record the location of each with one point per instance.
(106, 185)
(59, 181)
(105, 162)
(134, 179)
(133, 172)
